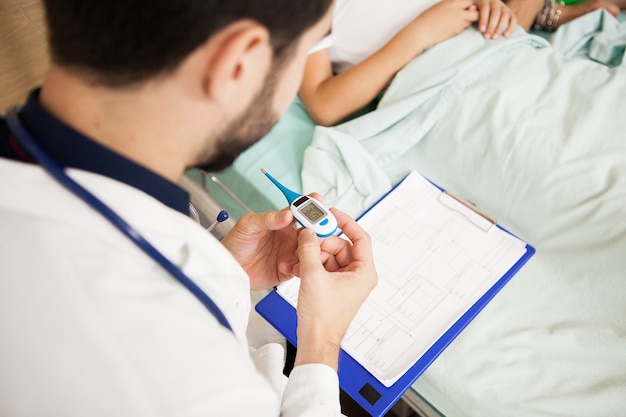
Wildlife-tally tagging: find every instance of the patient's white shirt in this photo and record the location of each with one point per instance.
(361, 27)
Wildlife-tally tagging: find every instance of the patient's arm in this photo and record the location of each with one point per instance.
(573, 11)
(330, 99)
(620, 3)
(525, 11)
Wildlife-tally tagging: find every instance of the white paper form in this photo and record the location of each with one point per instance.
(433, 264)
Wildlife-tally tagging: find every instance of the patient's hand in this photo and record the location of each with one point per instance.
(444, 20)
(496, 18)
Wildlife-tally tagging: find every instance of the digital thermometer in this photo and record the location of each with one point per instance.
(307, 211)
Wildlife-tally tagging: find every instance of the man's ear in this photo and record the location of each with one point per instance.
(240, 56)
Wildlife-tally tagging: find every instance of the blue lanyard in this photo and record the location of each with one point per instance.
(31, 147)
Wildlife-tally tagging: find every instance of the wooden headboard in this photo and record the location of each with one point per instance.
(23, 51)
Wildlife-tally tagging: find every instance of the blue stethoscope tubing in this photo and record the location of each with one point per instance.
(26, 141)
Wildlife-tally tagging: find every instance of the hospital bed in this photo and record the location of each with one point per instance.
(532, 138)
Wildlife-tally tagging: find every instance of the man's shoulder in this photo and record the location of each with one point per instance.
(5, 148)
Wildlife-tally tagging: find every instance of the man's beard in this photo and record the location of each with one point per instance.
(239, 135)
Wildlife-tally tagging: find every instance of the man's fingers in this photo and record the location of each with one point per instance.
(308, 252)
(317, 196)
(330, 262)
(277, 220)
(269, 220)
(335, 245)
(361, 242)
(338, 248)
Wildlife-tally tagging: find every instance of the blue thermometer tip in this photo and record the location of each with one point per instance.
(291, 196)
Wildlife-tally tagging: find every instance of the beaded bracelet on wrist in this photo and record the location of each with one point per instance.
(548, 17)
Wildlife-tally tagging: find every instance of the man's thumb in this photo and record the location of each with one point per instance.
(276, 220)
(308, 251)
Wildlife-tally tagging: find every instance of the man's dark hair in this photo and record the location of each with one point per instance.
(126, 41)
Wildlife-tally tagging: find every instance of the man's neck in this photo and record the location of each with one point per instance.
(134, 122)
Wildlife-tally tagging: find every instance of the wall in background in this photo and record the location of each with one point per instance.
(23, 51)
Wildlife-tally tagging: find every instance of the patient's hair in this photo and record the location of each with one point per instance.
(127, 41)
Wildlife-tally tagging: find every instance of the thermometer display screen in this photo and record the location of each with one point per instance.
(312, 212)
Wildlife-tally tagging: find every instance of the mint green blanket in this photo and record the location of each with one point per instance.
(597, 36)
(537, 140)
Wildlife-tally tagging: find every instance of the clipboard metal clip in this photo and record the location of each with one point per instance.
(468, 210)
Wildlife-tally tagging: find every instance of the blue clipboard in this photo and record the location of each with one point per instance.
(354, 379)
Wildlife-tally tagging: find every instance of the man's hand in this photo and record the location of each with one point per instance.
(265, 245)
(337, 276)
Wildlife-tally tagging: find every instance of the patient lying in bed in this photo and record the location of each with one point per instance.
(372, 40)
